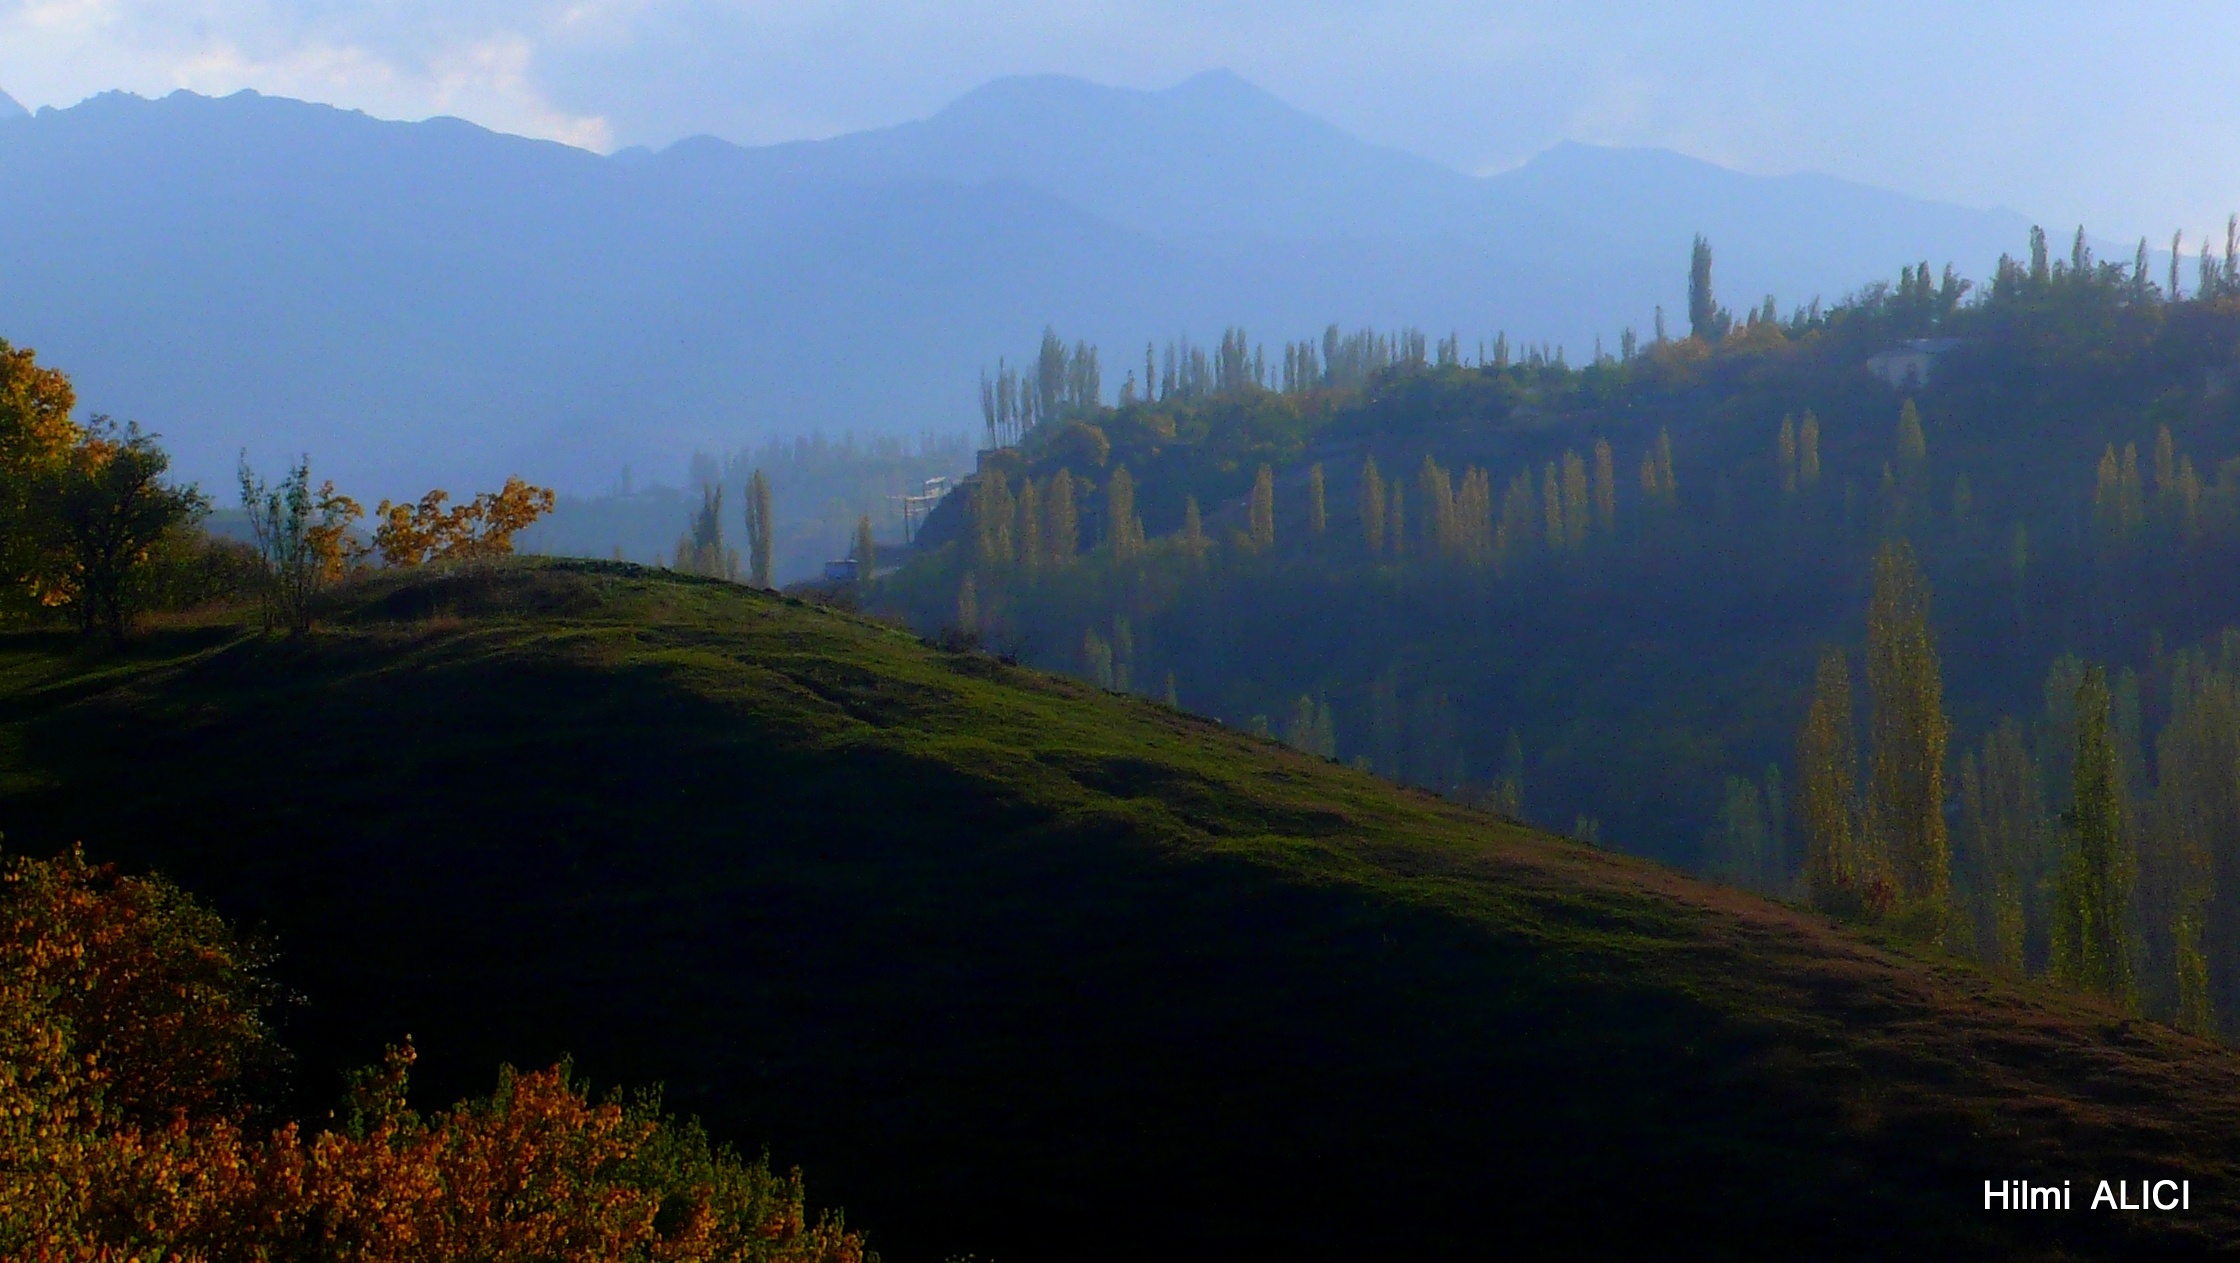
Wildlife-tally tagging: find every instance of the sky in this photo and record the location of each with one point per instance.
(2120, 119)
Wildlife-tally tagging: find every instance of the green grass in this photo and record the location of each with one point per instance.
(1015, 967)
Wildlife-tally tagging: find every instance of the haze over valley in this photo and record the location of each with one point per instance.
(432, 302)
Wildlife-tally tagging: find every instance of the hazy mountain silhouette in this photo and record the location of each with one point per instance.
(431, 301)
(11, 108)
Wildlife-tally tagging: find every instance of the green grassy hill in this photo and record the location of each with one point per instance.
(1019, 968)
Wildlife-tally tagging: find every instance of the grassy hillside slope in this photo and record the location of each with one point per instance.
(1019, 968)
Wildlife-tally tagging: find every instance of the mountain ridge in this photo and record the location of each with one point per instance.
(250, 272)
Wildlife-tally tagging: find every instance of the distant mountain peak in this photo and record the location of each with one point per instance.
(11, 108)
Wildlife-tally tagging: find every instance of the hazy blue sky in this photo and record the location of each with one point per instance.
(2121, 117)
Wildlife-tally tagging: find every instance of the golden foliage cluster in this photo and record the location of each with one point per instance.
(414, 534)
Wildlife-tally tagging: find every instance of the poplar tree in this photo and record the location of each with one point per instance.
(1474, 506)
(1785, 456)
(1317, 521)
(1575, 511)
(1808, 451)
(1371, 501)
(1263, 510)
(992, 512)
(2091, 946)
(1121, 528)
(1657, 483)
(1028, 533)
(1396, 531)
(758, 529)
(1837, 877)
(2003, 821)
(1905, 780)
(2131, 495)
(866, 550)
(1519, 522)
(1913, 463)
(1439, 509)
(1605, 488)
(1705, 320)
(968, 605)
(1194, 539)
(1061, 533)
(1551, 507)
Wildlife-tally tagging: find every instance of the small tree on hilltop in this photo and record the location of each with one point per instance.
(107, 505)
(303, 541)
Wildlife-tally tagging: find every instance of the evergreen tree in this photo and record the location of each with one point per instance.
(1905, 780)
(2091, 945)
(1371, 501)
(1317, 520)
(1838, 877)
(1262, 510)
(1808, 451)
(759, 543)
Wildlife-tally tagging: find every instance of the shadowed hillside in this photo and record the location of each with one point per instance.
(1024, 969)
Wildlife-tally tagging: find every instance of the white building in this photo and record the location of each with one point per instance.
(1909, 364)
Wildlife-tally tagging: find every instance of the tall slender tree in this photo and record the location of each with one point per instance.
(1262, 510)
(759, 543)
(1576, 514)
(2091, 945)
(1061, 533)
(1605, 488)
(1705, 319)
(1905, 781)
(1122, 530)
(1028, 533)
(1838, 877)
(1317, 516)
(1371, 501)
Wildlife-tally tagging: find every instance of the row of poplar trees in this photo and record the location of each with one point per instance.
(2117, 895)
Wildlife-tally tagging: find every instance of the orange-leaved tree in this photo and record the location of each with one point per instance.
(129, 1018)
(415, 534)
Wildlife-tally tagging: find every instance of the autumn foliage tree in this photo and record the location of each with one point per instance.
(82, 508)
(417, 534)
(304, 541)
(130, 1020)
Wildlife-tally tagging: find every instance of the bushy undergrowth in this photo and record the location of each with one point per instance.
(131, 1033)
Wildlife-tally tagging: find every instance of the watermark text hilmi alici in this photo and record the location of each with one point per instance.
(2108, 1195)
